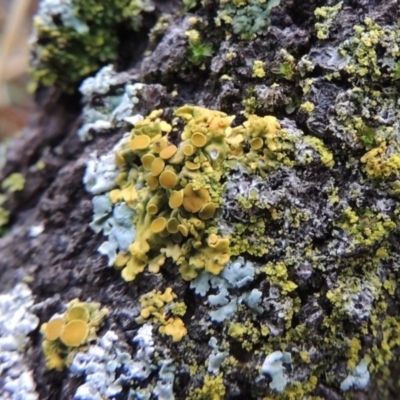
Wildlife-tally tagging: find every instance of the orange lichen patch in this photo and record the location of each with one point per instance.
(175, 328)
(77, 312)
(152, 182)
(172, 225)
(192, 166)
(256, 143)
(188, 150)
(158, 225)
(53, 329)
(140, 142)
(75, 333)
(157, 166)
(176, 199)
(199, 140)
(207, 211)
(168, 152)
(64, 335)
(168, 179)
(194, 200)
(147, 160)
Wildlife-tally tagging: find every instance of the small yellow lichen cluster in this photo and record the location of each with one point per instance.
(213, 389)
(366, 226)
(328, 14)
(367, 39)
(383, 163)
(278, 275)
(258, 69)
(153, 304)
(65, 335)
(269, 145)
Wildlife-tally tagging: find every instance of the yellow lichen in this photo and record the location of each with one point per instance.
(153, 306)
(65, 335)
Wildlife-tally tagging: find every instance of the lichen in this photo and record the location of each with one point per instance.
(16, 322)
(66, 334)
(78, 37)
(301, 225)
(247, 18)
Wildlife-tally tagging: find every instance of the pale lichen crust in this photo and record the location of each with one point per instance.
(16, 322)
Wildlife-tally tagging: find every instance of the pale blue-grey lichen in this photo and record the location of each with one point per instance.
(108, 369)
(274, 367)
(115, 221)
(358, 379)
(16, 323)
(109, 102)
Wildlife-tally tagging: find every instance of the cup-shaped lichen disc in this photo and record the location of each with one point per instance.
(192, 166)
(54, 329)
(168, 179)
(168, 152)
(175, 199)
(77, 312)
(152, 181)
(199, 140)
(140, 142)
(172, 225)
(147, 160)
(188, 150)
(75, 333)
(183, 230)
(158, 225)
(152, 209)
(157, 166)
(256, 143)
(207, 211)
(194, 200)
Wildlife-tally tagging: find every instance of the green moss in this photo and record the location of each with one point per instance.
(199, 51)
(74, 38)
